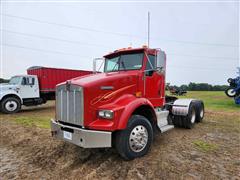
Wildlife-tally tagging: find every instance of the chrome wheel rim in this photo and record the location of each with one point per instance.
(11, 105)
(138, 138)
(193, 116)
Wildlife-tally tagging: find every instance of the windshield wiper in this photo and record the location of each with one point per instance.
(123, 65)
(114, 66)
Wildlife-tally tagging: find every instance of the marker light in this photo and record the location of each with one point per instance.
(138, 94)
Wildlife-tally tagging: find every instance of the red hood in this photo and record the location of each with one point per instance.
(105, 79)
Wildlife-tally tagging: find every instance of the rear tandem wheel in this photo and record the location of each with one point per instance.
(195, 114)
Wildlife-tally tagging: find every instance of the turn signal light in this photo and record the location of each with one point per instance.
(139, 94)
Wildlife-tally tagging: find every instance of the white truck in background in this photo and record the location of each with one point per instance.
(35, 88)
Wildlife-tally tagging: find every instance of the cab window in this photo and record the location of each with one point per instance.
(24, 81)
(151, 66)
(112, 64)
(31, 81)
(28, 81)
(124, 62)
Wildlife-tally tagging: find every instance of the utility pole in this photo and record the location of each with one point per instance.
(148, 28)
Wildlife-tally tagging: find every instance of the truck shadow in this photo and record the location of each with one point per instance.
(39, 108)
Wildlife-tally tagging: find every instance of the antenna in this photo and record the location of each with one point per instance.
(148, 28)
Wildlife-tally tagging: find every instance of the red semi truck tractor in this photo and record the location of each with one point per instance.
(35, 88)
(124, 106)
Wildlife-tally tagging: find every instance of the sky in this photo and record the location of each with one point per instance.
(201, 39)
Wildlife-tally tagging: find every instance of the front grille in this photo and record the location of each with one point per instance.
(69, 104)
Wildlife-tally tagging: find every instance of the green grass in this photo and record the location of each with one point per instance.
(204, 146)
(214, 100)
(42, 122)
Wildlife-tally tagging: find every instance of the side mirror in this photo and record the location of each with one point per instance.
(98, 65)
(149, 72)
(160, 69)
(161, 61)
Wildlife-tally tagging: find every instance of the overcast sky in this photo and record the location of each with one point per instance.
(201, 40)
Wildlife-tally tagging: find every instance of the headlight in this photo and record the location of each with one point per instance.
(107, 114)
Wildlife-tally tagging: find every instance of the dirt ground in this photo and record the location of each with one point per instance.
(209, 151)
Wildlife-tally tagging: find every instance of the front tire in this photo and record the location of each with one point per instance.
(136, 139)
(10, 105)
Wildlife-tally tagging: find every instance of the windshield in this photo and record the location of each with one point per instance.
(124, 62)
(15, 80)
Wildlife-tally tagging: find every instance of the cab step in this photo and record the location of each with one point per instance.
(162, 120)
(166, 128)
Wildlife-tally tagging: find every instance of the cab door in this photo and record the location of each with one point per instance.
(155, 78)
(29, 87)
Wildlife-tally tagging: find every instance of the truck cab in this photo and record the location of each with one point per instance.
(123, 106)
(17, 92)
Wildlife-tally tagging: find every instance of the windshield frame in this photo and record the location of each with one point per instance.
(120, 68)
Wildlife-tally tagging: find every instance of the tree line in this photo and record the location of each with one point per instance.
(197, 87)
(4, 80)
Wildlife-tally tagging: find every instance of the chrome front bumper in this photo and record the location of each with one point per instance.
(81, 137)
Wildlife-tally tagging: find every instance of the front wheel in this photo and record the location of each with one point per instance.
(136, 139)
(10, 105)
(230, 92)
